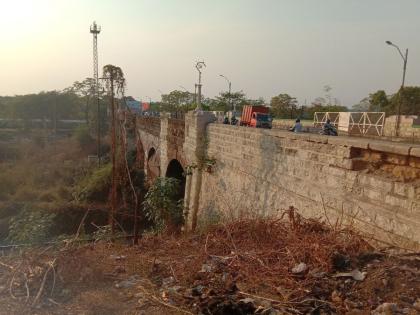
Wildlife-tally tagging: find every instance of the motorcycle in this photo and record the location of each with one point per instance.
(328, 131)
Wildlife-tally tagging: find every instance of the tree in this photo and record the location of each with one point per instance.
(362, 106)
(327, 89)
(378, 102)
(328, 99)
(226, 102)
(86, 90)
(410, 101)
(177, 101)
(284, 106)
(257, 102)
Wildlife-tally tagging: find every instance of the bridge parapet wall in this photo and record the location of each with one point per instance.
(372, 184)
(176, 132)
(150, 125)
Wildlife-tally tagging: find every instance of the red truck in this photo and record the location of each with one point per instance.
(256, 116)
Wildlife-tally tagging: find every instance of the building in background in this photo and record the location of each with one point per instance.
(134, 105)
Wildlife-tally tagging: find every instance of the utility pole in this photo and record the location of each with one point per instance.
(199, 65)
(114, 77)
(232, 106)
(95, 30)
(55, 113)
(404, 58)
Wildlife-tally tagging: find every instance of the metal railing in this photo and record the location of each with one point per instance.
(353, 123)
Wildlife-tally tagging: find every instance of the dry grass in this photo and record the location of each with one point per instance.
(247, 258)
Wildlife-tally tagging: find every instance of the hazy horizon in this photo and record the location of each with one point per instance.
(264, 47)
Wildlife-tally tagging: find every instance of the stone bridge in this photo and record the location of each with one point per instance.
(230, 171)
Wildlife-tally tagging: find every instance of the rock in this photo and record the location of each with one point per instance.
(2, 288)
(206, 268)
(247, 300)
(117, 257)
(386, 309)
(302, 267)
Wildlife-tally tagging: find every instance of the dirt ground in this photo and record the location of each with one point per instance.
(269, 266)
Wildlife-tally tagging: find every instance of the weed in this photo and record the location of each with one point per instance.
(161, 205)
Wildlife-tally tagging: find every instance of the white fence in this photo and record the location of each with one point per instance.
(357, 123)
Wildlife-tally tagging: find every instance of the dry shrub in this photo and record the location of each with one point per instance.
(259, 253)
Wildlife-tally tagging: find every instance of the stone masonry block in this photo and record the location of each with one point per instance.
(405, 190)
(397, 201)
(349, 142)
(397, 148)
(373, 194)
(376, 182)
(415, 151)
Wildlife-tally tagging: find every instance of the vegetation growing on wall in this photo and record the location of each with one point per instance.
(162, 206)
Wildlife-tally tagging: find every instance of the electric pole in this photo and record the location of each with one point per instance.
(95, 30)
(232, 107)
(404, 58)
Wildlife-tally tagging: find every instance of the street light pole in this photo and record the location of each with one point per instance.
(404, 58)
(232, 106)
(199, 65)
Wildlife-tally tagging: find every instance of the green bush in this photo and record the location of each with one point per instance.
(161, 204)
(95, 186)
(83, 137)
(30, 226)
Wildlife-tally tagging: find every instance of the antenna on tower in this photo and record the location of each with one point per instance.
(95, 30)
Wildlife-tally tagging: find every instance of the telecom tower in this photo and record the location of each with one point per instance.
(95, 30)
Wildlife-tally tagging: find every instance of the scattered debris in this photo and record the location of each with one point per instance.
(355, 274)
(117, 257)
(302, 267)
(265, 266)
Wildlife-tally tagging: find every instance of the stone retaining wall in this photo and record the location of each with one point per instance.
(369, 183)
(407, 129)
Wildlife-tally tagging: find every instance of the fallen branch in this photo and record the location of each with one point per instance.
(11, 287)
(27, 288)
(6, 265)
(283, 304)
(156, 299)
(41, 288)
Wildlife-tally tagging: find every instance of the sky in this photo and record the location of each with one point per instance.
(265, 47)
